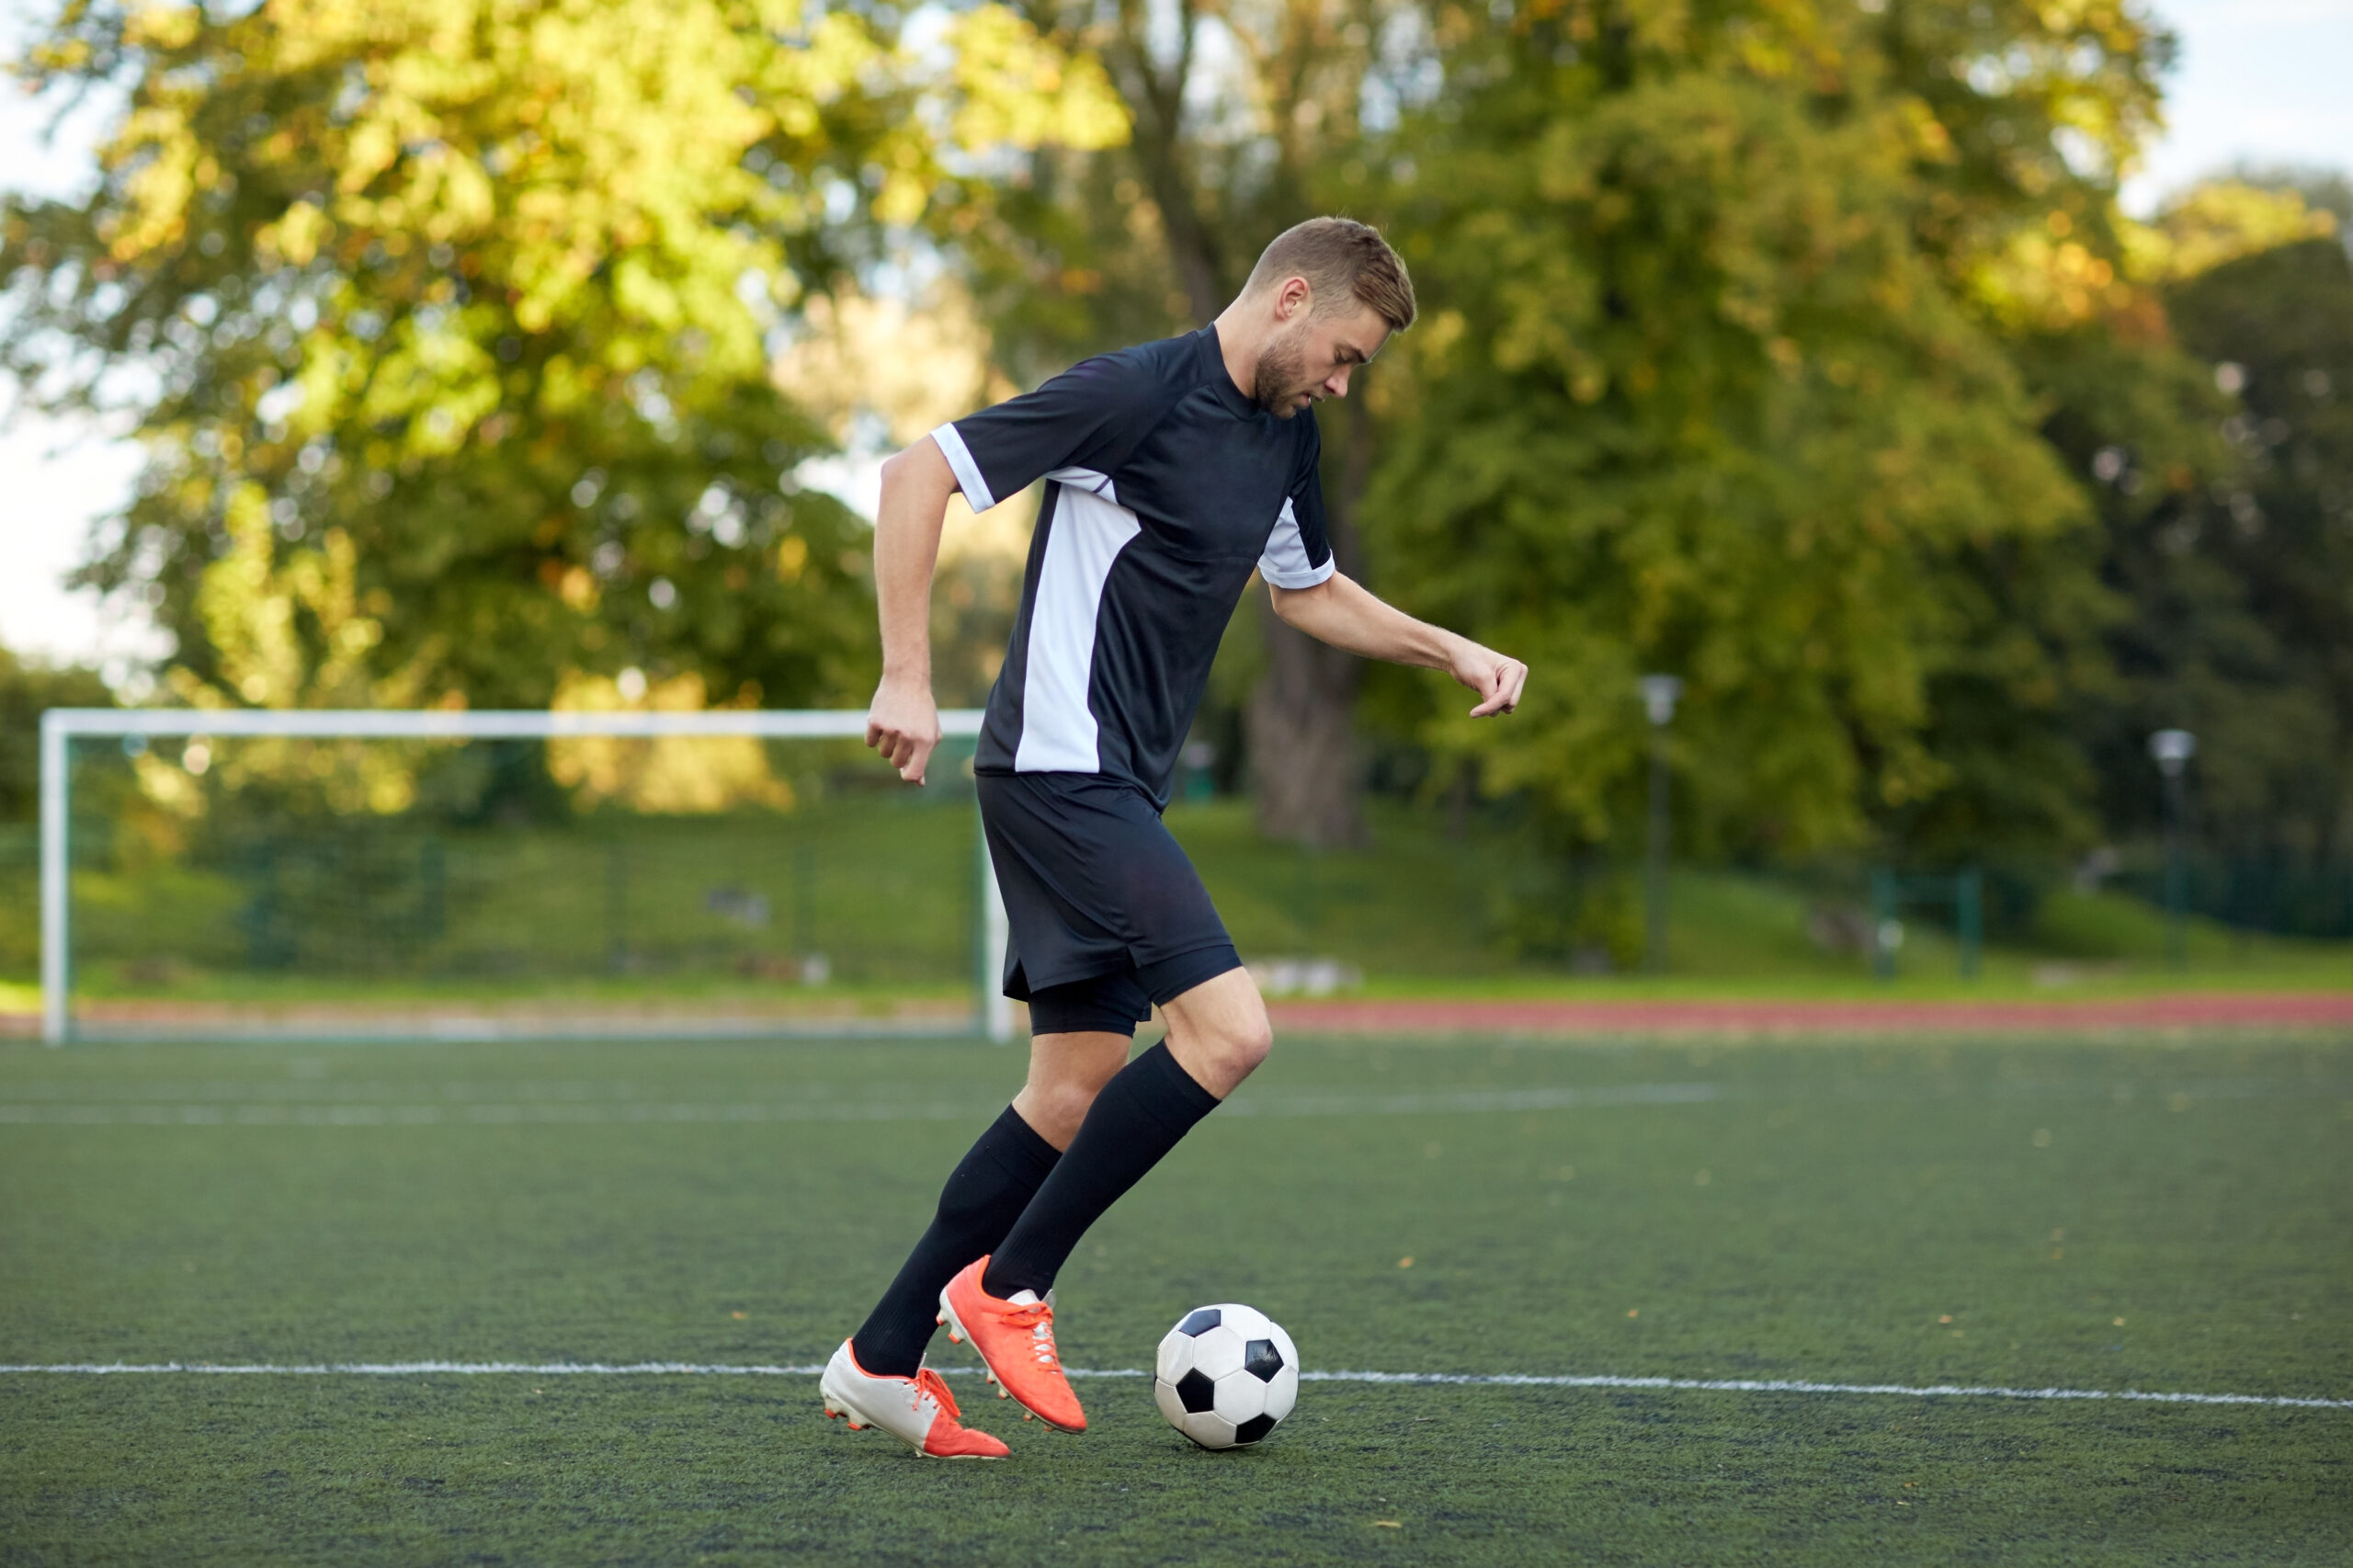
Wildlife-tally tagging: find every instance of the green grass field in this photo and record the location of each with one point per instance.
(2169, 1215)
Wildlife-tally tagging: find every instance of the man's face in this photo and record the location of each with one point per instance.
(1310, 359)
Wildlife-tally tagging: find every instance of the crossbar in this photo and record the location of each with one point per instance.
(433, 723)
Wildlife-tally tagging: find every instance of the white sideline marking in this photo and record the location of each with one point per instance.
(1307, 1102)
(1793, 1385)
(1486, 1380)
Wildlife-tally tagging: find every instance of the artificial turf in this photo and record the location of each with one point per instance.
(1898, 1212)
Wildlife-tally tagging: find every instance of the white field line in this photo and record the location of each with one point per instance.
(1442, 1380)
(571, 1112)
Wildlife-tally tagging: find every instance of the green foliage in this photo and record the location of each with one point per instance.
(1979, 144)
(1694, 397)
(453, 318)
(1792, 348)
(2257, 655)
(2022, 118)
(2218, 547)
(1244, 121)
(27, 690)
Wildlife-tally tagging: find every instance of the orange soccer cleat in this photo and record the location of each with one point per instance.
(1016, 1341)
(918, 1411)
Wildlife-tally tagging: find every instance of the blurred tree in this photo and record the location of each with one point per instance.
(2135, 420)
(26, 691)
(2203, 416)
(880, 372)
(447, 325)
(1706, 389)
(1245, 120)
(2022, 117)
(2005, 122)
(2319, 187)
(2265, 676)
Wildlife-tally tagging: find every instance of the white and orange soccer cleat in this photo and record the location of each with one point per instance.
(918, 1411)
(1015, 1340)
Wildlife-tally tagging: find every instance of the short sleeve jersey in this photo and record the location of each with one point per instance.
(1165, 487)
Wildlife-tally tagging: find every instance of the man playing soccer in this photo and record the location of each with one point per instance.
(1172, 471)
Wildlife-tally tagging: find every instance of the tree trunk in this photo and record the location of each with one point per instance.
(1299, 723)
(1302, 718)
(1302, 742)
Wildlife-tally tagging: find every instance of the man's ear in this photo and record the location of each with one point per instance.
(1295, 296)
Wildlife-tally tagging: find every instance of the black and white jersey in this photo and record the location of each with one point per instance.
(1164, 486)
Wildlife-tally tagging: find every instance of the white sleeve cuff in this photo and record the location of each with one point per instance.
(1307, 578)
(968, 472)
(1285, 563)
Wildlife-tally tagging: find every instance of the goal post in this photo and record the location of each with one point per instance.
(455, 874)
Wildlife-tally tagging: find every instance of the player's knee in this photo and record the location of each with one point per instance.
(1072, 1101)
(1055, 1109)
(1247, 1045)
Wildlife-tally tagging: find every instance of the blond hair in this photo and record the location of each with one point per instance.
(1341, 259)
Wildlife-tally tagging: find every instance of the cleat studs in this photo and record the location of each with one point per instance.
(942, 1318)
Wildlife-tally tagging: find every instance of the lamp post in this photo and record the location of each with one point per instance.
(2172, 749)
(1659, 693)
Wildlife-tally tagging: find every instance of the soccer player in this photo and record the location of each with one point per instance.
(1172, 471)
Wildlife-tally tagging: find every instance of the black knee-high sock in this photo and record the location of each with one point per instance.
(983, 1196)
(1148, 1106)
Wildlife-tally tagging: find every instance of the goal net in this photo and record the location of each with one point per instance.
(480, 875)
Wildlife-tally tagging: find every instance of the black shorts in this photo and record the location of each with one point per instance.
(1107, 916)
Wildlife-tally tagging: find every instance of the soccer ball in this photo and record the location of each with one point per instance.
(1225, 1376)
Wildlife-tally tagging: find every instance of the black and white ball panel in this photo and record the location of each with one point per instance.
(1250, 1431)
(1195, 1391)
(1225, 1376)
(1240, 1398)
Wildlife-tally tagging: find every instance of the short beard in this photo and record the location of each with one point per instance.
(1282, 367)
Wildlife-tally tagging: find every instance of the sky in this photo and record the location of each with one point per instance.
(2259, 81)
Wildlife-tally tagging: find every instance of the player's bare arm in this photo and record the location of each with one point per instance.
(1342, 612)
(904, 723)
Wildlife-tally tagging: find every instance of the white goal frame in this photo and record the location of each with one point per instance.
(993, 1016)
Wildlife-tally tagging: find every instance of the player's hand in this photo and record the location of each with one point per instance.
(903, 725)
(1496, 677)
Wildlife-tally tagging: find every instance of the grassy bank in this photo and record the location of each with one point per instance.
(859, 901)
(1423, 914)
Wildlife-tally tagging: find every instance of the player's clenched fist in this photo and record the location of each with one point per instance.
(903, 725)
(1496, 677)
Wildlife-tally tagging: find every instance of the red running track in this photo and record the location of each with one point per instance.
(2320, 1009)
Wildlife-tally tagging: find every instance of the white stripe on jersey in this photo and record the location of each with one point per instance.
(1285, 563)
(1058, 729)
(968, 472)
(1086, 478)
